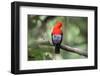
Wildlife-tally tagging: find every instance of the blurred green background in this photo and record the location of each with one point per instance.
(75, 30)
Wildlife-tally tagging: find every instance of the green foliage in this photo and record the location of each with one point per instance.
(38, 53)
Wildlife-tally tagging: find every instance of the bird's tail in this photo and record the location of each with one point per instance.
(57, 49)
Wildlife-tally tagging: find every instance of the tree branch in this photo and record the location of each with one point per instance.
(74, 50)
(64, 47)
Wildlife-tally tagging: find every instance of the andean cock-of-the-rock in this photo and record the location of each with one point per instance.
(57, 36)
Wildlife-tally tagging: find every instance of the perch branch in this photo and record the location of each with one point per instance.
(65, 47)
(74, 50)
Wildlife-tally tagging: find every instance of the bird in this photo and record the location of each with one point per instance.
(57, 36)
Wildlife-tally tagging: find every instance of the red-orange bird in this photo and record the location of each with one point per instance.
(57, 36)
